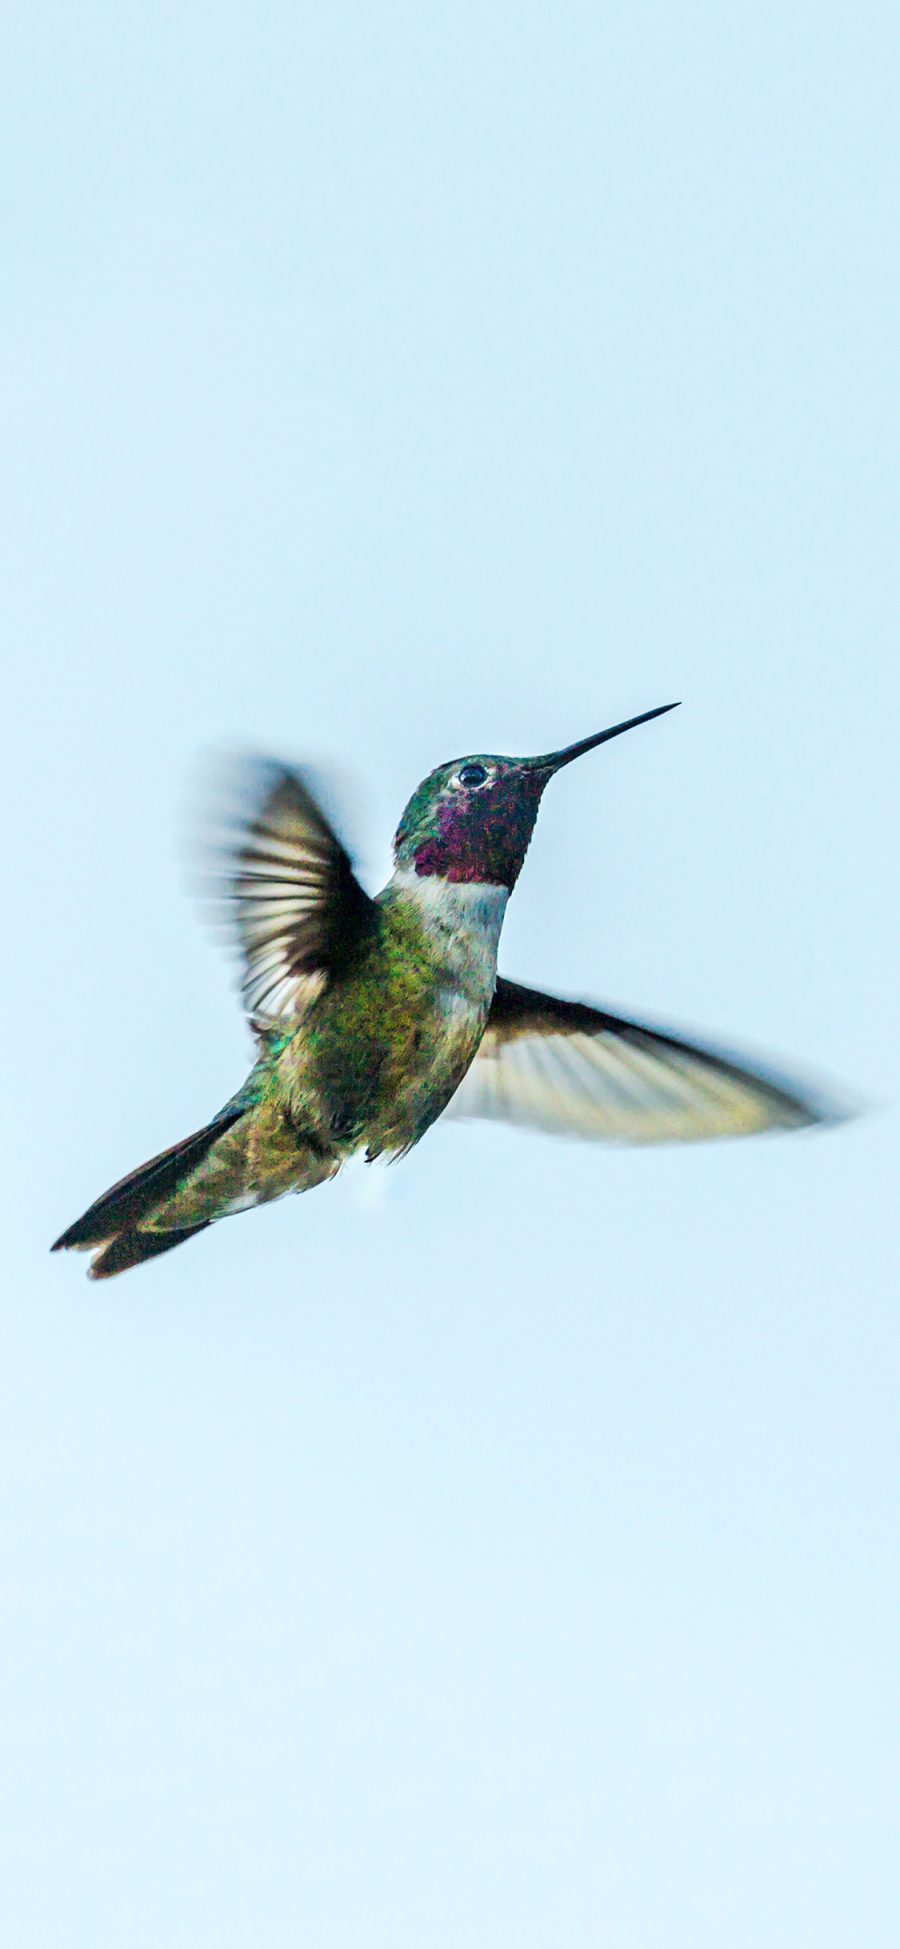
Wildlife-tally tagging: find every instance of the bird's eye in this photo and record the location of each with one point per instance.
(471, 775)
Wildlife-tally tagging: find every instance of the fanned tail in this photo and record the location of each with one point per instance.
(119, 1225)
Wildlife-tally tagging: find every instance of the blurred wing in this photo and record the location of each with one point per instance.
(284, 888)
(575, 1071)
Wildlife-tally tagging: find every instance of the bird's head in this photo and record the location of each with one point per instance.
(472, 819)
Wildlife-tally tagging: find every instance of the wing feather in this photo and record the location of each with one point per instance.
(283, 888)
(573, 1070)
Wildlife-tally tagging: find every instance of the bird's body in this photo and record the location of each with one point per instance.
(372, 1016)
(385, 1050)
(382, 1049)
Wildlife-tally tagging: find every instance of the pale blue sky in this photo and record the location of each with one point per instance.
(509, 1558)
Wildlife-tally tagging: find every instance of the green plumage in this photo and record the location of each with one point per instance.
(373, 1061)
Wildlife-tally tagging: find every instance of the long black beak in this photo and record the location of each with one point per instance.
(556, 759)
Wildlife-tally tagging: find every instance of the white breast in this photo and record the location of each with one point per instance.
(463, 919)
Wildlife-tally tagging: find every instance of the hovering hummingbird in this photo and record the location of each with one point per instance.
(373, 1016)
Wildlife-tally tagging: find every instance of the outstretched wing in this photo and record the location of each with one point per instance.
(282, 885)
(572, 1070)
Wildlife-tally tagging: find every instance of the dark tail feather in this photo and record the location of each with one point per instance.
(133, 1247)
(112, 1221)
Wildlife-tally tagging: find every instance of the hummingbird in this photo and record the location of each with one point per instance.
(374, 1016)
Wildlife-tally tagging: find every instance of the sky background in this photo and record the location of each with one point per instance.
(500, 1550)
